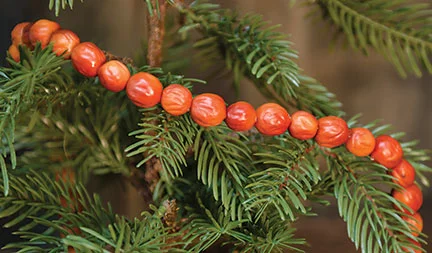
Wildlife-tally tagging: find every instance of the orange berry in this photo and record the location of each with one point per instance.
(388, 152)
(361, 142)
(241, 116)
(20, 34)
(208, 110)
(303, 126)
(14, 52)
(332, 132)
(415, 222)
(410, 196)
(404, 174)
(64, 41)
(144, 90)
(41, 31)
(272, 119)
(114, 75)
(176, 99)
(87, 59)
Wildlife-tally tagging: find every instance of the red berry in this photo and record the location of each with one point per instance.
(176, 99)
(114, 75)
(303, 126)
(20, 34)
(272, 119)
(87, 59)
(410, 196)
(332, 132)
(144, 90)
(404, 174)
(412, 249)
(415, 222)
(14, 52)
(208, 110)
(241, 116)
(64, 41)
(41, 31)
(388, 152)
(361, 142)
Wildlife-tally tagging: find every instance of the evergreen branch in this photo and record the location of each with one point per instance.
(57, 4)
(205, 229)
(17, 87)
(270, 234)
(36, 200)
(261, 49)
(397, 30)
(372, 222)
(223, 164)
(253, 49)
(168, 141)
(288, 171)
(76, 132)
(209, 226)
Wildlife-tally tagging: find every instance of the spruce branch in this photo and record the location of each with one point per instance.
(372, 222)
(252, 48)
(167, 141)
(211, 226)
(288, 172)
(398, 30)
(36, 70)
(100, 229)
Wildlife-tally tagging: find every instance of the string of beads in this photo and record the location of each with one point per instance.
(208, 109)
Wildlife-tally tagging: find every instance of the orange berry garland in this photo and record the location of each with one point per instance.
(207, 110)
(144, 90)
(63, 42)
(41, 31)
(272, 119)
(176, 99)
(303, 126)
(241, 116)
(114, 75)
(332, 132)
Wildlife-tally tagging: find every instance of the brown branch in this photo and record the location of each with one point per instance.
(156, 25)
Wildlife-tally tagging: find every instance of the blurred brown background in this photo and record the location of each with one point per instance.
(364, 84)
